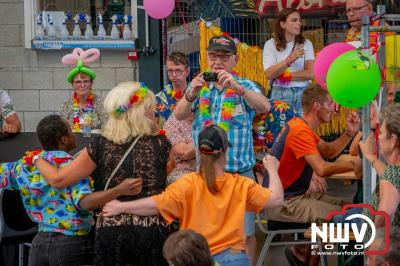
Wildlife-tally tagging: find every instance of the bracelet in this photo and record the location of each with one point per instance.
(288, 61)
(188, 98)
(241, 91)
(35, 158)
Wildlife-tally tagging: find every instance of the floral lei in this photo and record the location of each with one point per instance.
(75, 115)
(228, 107)
(177, 95)
(285, 78)
(28, 157)
(135, 98)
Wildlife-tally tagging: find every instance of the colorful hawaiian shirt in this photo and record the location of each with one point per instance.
(55, 210)
(355, 35)
(6, 107)
(166, 101)
(267, 126)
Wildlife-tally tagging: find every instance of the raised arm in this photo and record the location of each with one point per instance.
(332, 149)
(271, 164)
(389, 200)
(142, 207)
(82, 166)
(183, 108)
(254, 99)
(128, 187)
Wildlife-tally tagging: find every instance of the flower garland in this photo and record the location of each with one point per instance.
(76, 127)
(285, 78)
(228, 107)
(136, 97)
(28, 157)
(175, 94)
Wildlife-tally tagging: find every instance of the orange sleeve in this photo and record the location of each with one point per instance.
(304, 142)
(173, 200)
(257, 196)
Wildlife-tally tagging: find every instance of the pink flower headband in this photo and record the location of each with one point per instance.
(80, 57)
(135, 98)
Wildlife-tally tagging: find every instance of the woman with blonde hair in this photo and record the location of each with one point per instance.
(130, 146)
(211, 202)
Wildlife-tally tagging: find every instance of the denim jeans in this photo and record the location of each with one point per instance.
(51, 249)
(229, 258)
(291, 96)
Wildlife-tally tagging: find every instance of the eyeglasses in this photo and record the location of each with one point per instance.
(222, 57)
(82, 82)
(356, 10)
(176, 72)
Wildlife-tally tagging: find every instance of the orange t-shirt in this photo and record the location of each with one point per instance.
(299, 140)
(218, 217)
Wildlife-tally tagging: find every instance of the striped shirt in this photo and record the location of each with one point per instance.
(240, 155)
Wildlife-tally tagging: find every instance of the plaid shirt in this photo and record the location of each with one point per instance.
(240, 155)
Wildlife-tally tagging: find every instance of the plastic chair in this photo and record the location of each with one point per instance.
(15, 225)
(278, 228)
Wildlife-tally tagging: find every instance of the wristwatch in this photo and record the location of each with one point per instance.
(35, 158)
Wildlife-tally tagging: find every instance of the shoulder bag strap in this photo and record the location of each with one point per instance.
(121, 161)
(273, 80)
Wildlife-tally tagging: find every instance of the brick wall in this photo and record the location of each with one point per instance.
(36, 80)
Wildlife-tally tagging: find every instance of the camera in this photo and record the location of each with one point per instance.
(210, 76)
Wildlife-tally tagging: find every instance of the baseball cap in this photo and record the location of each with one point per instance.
(222, 43)
(215, 138)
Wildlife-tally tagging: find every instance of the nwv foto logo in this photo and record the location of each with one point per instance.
(340, 233)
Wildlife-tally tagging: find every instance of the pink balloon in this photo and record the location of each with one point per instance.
(159, 9)
(90, 55)
(325, 58)
(70, 59)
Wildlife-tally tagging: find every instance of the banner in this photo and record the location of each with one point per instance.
(272, 7)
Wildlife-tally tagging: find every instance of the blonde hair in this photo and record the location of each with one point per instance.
(123, 127)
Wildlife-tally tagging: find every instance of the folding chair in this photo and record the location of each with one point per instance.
(15, 225)
(277, 228)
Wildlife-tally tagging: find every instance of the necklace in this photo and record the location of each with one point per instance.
(27, 159)
(227, 110)
(76, 110)
(175, 94)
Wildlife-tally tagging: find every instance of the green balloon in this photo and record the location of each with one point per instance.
(353, 79)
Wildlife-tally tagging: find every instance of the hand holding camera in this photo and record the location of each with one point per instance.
(210, 76)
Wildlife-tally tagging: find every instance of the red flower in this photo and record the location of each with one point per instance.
(178, 95)
(225, 34)
(134, 99)
(162, 132)
(59, 161)
(29, 156)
